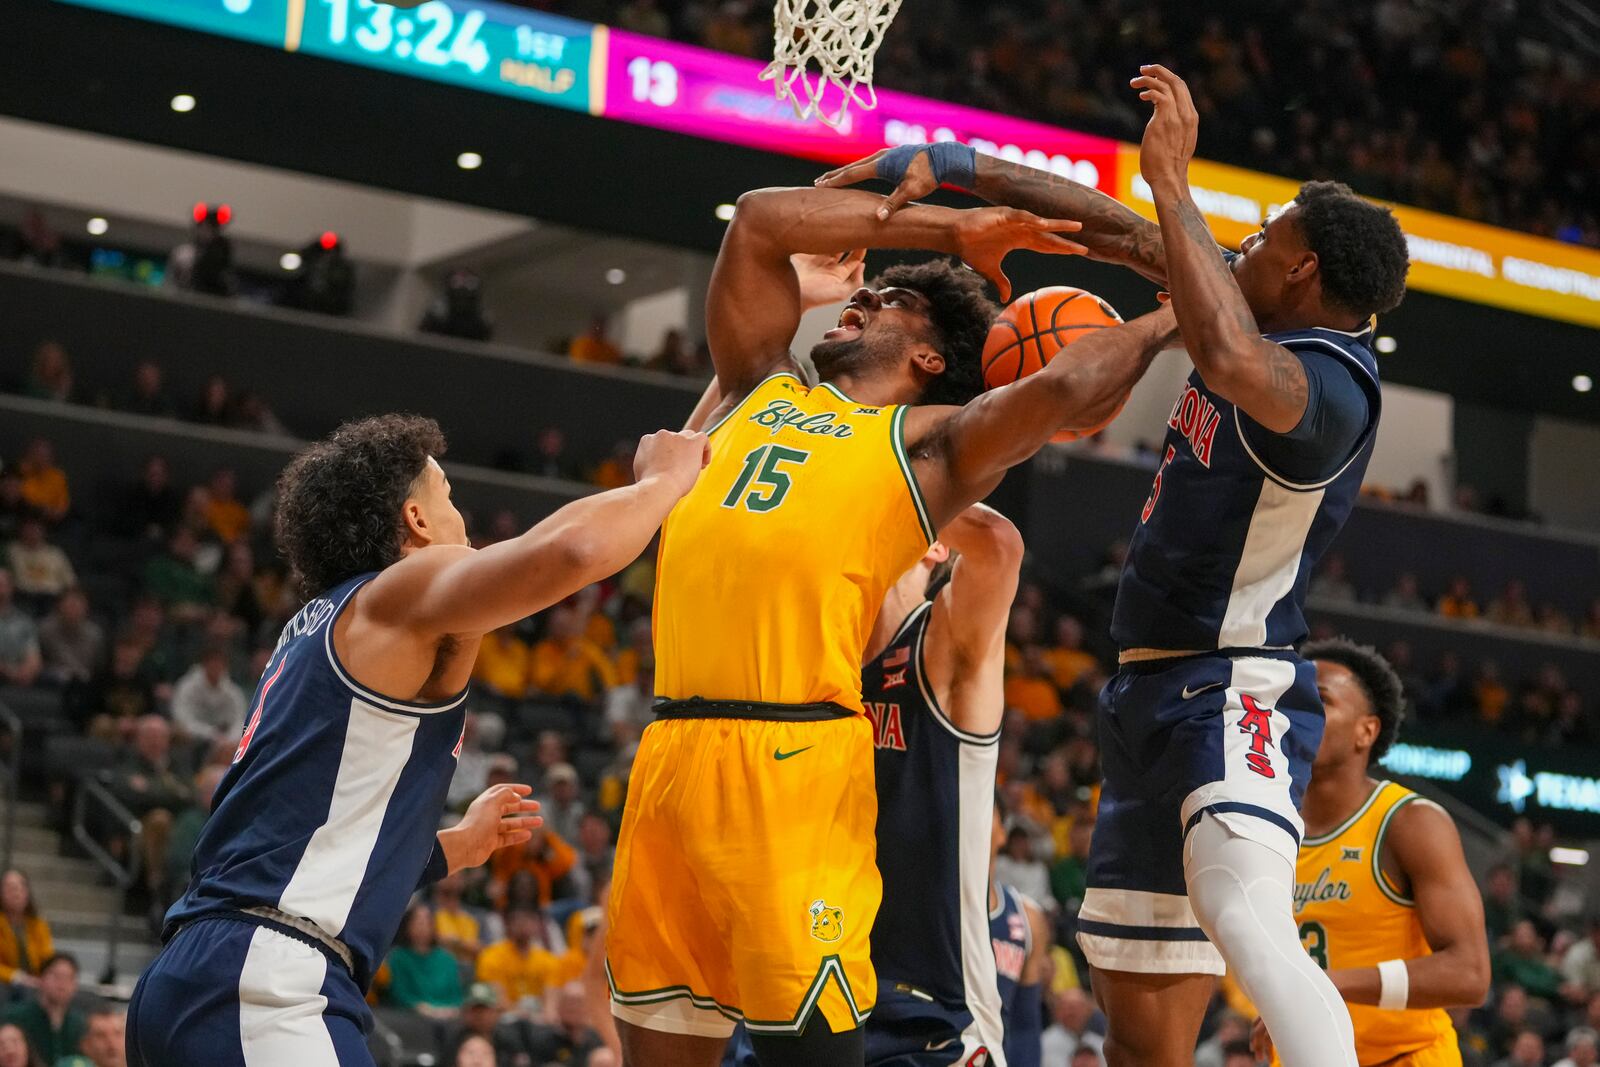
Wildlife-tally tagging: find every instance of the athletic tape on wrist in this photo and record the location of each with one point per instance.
(953, 163)
(1394, 985)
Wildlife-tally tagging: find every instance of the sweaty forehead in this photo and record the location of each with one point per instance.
(1337, 679)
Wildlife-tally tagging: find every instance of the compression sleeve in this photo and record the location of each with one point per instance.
(1025, 1028)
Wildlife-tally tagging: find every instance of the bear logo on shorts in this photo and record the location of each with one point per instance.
(827, 924)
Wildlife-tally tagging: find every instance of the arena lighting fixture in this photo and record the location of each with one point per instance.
(1386, 345)
(469, 161)
(183, 103)
(328, 240)
(97, 226)
(1582, 383)
(289, 261)
(725, 212)
(1571, 857)
(616, 275)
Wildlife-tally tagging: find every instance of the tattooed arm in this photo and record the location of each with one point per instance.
(1266, 381)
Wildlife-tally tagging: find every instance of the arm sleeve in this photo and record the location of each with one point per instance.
(437, 866)
(1025, 1028)
(1337, 414)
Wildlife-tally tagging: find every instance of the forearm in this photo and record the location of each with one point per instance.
(1446, 979)
(1112, 232)
(1212, 314)
(816, 221)
(1097, 373)
(600, 534)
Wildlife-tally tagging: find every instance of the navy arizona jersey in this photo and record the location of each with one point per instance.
(331, 809)
(1227, 541)
(1011, 934)
(935, 810)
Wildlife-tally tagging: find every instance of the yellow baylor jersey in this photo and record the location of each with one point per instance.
(771, 570)
(1351, 916)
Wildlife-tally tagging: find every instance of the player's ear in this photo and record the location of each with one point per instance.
(418, 531)
(1370, 726)
(929, 361)
(1304, 268)
(937, 553)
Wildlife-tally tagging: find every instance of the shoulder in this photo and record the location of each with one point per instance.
(1418, 833)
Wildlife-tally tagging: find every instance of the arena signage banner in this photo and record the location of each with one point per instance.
(1501, 779)
(648, 81)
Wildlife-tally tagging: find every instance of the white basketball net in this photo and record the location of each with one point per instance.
(840, 37)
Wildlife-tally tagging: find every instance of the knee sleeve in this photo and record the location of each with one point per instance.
(815, 1046)
(1242, 893)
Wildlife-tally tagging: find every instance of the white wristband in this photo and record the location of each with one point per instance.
(1394, 985)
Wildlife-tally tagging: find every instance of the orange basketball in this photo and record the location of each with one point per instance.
(1030, 332)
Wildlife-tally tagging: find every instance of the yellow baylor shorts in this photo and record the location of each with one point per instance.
(1445, 1052)
(746, 881)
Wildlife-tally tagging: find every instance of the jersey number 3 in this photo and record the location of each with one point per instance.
(762, 483)
(1314, 936)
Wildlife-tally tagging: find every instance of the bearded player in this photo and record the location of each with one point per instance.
(745, 885)
(1209, 729)
(1384, 899)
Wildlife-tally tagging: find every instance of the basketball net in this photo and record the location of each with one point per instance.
(819, 44)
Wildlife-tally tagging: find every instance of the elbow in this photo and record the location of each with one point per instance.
(757, 208)
(1087, 399)
(1475, 979)
(995, 538)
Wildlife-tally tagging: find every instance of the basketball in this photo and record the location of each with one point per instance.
(1034, 327)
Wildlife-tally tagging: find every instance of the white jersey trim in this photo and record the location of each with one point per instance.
(409, 707)
(979, 975)
(1355, 451)
(966, 737)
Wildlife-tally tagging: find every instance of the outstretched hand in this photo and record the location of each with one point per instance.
(827, 278)
(501, 816)
(917, 183)
(985, 235)
(1169, 137)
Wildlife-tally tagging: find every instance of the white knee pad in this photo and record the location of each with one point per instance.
(1242, 893)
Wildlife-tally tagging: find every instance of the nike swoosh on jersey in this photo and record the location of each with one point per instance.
(1190, 694)
(779, 753)
(946, 1043)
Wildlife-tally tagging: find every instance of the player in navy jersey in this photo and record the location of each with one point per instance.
(1208, 731)
(932, 686)
(1021, 936)
(327, 821)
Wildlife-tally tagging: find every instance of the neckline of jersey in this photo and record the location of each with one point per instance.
(1372, 798)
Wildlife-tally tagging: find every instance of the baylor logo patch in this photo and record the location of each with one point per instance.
(827, 924)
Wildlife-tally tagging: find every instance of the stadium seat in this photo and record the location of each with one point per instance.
(420, 1038)
(67, 756)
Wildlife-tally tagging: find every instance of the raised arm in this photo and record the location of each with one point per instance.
(754, 303)
(960, 454)
(444, 590)
(1425, 847)
(1264, 379)
(1111, 232)
(965, 654)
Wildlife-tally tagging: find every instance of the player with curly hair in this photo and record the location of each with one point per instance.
(327, 820)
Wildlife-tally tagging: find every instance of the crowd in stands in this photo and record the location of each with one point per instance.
(1478, 109)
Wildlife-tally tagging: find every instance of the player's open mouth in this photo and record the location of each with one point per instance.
(852, 321)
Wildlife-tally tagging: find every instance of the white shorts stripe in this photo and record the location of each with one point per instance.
(281, 1004)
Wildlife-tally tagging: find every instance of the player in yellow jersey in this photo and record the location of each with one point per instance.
(1382, 892)
(745, 885)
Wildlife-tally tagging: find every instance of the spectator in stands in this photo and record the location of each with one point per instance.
(1071, 1013)
(1405, 595)
(152, 507)
(458, 310)
(594, 346)
(1069, 878)
(149, 396)
(20, 661)
(175, 580)
(566, 663)
(204, 263)
(472, 764)
(50, 375)
(673, 355)
(104, 1042)
(188, 823)
(252, 412)
(1580, 964)
(215, 405)
(1457, 602)
(518, 966)
(1527, 1050)
(1068, 660)
(207, 705)
(561, 805)
(44, 485)
(52, 1025)
(120, 694)
(235, 584)
(546, 857)
(422, 974)
(1522, 962)
(1031, 689)
(1231, 1028)
(1571, 725)
(616, 470)
(40, 571)
(72, 645)
(227, 517)
(501, 670)
(595, 853)
(552, 460)
(325, 281)
(1511, 607)
(148, 786)
(1332, 582)
(14, 1049)
(1018, 866)
(41, 242)
(455, 927)
(474, 1051)
(643, 16)
(570, 1039)
(1490, 693)
(1583, 1048)
(25, 941)
(481, 1013)
(1552, 620)
(1502, 907)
